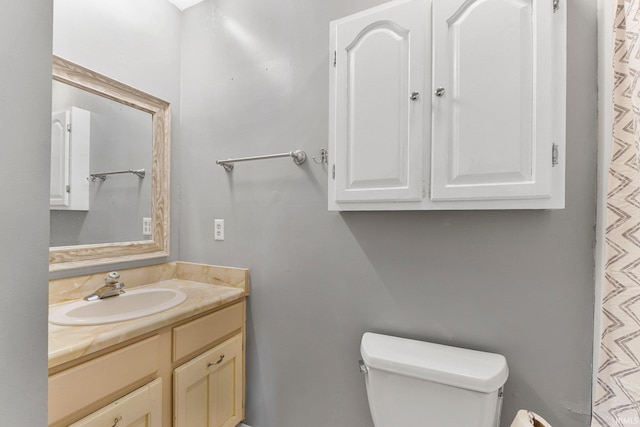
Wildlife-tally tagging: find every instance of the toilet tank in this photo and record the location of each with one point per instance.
(416, 383)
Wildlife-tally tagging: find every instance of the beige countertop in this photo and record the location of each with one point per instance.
(67, 343)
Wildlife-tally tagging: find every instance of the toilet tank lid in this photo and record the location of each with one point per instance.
(459, 367)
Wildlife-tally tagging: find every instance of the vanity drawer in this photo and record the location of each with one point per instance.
(83, 385)
(195, 335)
(141, 408)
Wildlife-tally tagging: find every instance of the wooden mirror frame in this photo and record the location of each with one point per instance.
(68, 257)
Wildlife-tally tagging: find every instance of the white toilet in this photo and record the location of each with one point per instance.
(416, 383)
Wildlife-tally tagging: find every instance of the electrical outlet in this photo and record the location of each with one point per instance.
(218, 225)
(146, 227)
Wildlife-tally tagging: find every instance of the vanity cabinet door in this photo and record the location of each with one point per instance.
(141, 408)
(493, 118)
(208, 390)
(377, 105)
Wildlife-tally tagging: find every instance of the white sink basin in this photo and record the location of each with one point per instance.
(130, 305)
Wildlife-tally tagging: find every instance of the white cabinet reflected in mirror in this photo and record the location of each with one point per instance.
(109, 171)
(93, 135)
(70, 151)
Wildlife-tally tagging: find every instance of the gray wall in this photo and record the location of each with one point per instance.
(136, 43)
(255, 81)
(25, 48)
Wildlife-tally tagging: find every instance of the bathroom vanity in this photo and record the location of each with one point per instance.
(183, 366)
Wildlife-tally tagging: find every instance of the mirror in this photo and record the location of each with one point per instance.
(93, 135)
(87, 235)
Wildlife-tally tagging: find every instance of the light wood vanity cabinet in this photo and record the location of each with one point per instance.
(187, 374)
(208, 389)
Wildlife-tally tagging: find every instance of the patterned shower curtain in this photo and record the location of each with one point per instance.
(617, 393)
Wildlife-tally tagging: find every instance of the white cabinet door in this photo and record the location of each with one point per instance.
(70, 158)
(140, 408)
(59, 183)
(207, 391)
(492, 119)
(377, 130)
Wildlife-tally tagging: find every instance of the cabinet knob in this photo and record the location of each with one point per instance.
(415, 96)
(439, 92)
(216, 363)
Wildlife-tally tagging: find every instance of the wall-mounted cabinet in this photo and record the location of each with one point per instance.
(70, 149)
(448, 104)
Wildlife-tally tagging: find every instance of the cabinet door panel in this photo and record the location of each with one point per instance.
(141, 408)
(58, 194)
(70, 158)
(492, 127)
(378, 129)
(208, 389)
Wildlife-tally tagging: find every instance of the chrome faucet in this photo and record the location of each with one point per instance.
(112, 287)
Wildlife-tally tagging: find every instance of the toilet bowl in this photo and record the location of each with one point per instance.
(416, 383)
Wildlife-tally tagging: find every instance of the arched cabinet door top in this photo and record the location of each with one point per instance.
(378, 31)
(479, 9)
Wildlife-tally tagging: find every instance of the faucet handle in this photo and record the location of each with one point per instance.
(114, 275)
(112, 278)
(112, 281)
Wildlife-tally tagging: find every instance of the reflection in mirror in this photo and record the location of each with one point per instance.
(116, 128)
(119, 138)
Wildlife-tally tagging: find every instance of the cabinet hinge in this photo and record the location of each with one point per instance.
(556, 5)
(68, 189)
(335, 58)
(333, 171)
(554, 155)
(69, 127)
(424, 189)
